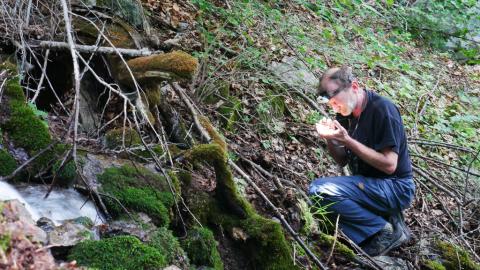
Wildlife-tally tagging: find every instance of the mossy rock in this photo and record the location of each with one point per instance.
(201, 248)
(265, 243)
(121, 252)
(115, 138)
(7, 163)
(21, 123)
(169, 66)
(167, 244)
(137, 189)
(454, 256)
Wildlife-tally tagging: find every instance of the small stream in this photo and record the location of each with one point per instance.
(60, 205)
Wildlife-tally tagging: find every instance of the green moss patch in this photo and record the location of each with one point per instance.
(434, 265)
(23, 123)
(201, 248)
(116, 137)
(328, 240)
(453, 257)
(7, 163)
(137, 189)
(167, 244)
(122, 252)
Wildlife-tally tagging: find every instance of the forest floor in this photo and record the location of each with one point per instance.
(265, 121)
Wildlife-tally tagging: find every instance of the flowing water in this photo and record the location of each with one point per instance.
(60, 205)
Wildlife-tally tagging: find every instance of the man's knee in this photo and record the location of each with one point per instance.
(327, 186)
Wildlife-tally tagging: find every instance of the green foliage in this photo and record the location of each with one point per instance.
(230, 112)
(201, 248)
(167, 244)
(7, 163)
(137, 189)
(121, 252)
(320, 212)
(313, 117)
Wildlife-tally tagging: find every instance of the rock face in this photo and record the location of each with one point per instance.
(21, 241)
(293, 72)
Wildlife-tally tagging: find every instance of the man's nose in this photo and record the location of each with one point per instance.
(333, 104)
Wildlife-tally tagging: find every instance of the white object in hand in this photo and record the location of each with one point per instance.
(325, 127)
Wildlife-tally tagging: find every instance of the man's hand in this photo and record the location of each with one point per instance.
(332, 130)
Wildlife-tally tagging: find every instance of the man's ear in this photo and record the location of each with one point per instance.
(355, 86)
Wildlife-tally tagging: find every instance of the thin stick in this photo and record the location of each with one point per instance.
(42, 77)
(335, 236)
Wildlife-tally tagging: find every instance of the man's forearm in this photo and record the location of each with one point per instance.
(375, 159)
(337, 151)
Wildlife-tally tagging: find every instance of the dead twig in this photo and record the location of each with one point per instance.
(57, 45)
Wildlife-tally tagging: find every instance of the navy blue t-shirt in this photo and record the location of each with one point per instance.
(379, 126)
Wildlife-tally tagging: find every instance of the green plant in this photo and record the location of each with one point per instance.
(320, 212)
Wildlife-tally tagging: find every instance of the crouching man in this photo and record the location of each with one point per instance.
(369, 136)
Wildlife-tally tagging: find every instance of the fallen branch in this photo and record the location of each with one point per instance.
(56, 45)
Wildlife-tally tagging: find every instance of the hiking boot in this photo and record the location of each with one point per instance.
(398, 222)
(385, 240)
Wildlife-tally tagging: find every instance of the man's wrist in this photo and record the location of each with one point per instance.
(349, 142)
(335, 143)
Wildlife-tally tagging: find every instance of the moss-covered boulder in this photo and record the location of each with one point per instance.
(21, 122)
(201, 248)
(118, 137)
(137, 189)
(121, 252)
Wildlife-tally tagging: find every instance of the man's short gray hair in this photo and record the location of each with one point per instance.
(342, 77)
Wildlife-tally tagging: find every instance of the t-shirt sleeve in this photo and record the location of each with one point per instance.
(388, 131)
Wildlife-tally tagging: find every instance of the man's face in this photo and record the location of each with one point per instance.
(342, 101)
